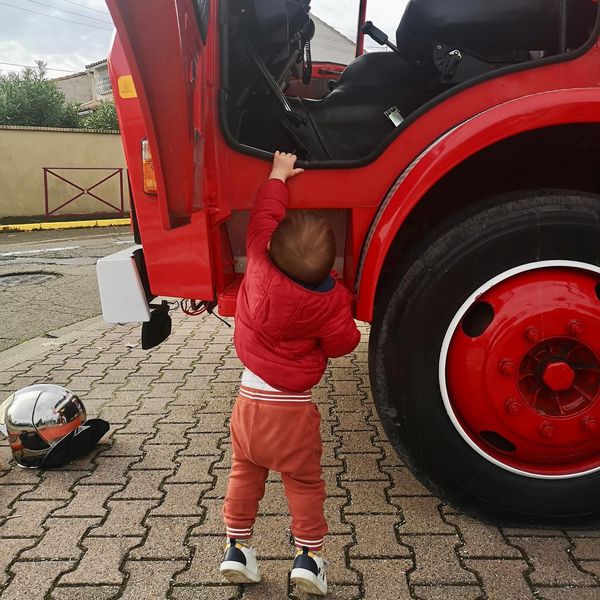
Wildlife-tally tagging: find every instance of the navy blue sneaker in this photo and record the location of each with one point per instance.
(308, 572)
(239, 563)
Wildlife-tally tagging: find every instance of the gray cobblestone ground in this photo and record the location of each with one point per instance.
(139, 519)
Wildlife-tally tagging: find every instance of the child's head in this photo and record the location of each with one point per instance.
(303, 247)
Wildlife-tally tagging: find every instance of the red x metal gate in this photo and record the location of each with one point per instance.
(84, 191)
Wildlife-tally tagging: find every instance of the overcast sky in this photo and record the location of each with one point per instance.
(68, 34)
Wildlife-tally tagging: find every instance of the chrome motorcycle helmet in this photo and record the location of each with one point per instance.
(47, 425)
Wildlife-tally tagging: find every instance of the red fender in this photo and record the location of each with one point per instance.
(487, 128)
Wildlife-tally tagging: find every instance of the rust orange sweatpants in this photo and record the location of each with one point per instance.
(269, 435)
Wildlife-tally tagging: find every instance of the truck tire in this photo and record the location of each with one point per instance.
(484, 360)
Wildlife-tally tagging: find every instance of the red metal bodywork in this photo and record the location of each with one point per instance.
(185, 242)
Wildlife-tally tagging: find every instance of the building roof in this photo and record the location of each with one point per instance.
(330, 45)
(98, 63)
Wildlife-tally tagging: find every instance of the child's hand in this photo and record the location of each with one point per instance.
(283, 166)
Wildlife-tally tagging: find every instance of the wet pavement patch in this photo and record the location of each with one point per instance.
(33, 277)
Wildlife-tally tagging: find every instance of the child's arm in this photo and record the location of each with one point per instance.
(339, 335)
(271, 203)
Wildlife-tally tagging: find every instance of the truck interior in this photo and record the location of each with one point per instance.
(440, 46)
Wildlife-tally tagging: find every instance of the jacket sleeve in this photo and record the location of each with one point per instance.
(339, 335)
(268, 211)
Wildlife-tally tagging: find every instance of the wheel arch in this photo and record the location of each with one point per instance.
(553, 132)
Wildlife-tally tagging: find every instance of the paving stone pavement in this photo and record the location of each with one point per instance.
(140, 518)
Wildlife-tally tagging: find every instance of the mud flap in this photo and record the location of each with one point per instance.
(158, 328)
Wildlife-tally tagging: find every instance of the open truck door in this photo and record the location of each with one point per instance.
(158, 70)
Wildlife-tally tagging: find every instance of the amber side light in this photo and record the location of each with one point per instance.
(148, 169)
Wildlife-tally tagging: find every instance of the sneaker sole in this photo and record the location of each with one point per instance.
(236, 573)
(308, 582)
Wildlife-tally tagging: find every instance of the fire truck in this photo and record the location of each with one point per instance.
(460, 170)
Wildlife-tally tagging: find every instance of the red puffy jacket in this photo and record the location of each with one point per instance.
(285, 333)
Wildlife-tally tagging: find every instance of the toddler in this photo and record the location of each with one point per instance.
(292, 316)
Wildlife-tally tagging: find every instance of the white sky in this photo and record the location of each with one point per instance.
(68, 34)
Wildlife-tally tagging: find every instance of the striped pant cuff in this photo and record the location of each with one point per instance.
(314, 545)
(239, 533)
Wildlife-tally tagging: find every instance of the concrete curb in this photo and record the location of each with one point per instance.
(65, 225)
(39, 346)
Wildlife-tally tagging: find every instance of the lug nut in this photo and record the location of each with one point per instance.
(575, 327)
(506, 367)
(546, 429)
(512, 406)
(590, 424)
(533, 334)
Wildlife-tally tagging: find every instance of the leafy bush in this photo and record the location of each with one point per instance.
(104, 117)
(28, 98)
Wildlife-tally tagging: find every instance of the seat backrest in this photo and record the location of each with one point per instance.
(484, 27)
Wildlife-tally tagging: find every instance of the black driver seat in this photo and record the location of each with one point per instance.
(490, 29)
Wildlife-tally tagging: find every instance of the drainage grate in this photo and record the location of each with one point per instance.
(14, 279)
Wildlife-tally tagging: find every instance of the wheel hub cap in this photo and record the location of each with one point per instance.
(558, 376)
(523, 372)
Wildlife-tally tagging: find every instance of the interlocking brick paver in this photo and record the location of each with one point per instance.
(586, 548)
(201, 444)
(565, 593)
(205, 592)
(156, 587)
(592, 567)
(385, 578)
(169, 433)
(17, 476)
(61, 540)
(144, 485)
(125, 518)
(109, 470)
(363, 467)
(88, 501)
(140, 516)
(158, 457)
(140, 424)
(193, 469)
(482, 540)
(101, 561)
(152, 406)
(448, 592)
(552, 564)
(368, 497)
(115, 415)
(204, 567)
(212, 423)
(436, 561)
(9, 493)
(184, 414)
(502, 579)
(11, 547)
(93, 592)
(390, 458)
(181, 499)
(421, 515)
(376, 537)
(357, 442)
(27, 518)
(352, 421)
(166, 538)
(33, 578)
(405, 483)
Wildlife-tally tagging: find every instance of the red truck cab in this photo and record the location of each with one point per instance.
(459, 171)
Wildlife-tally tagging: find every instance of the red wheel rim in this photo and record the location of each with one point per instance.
(522, 371)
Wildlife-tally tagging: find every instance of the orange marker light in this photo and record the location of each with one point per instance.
(148, 169)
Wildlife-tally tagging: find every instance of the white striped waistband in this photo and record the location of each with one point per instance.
(274, 396)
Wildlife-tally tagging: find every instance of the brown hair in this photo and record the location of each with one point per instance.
(303, 247)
